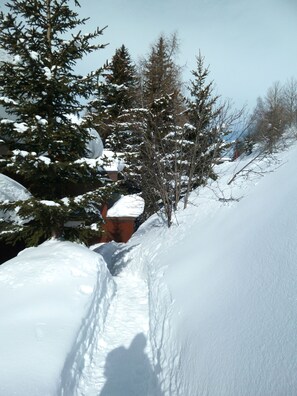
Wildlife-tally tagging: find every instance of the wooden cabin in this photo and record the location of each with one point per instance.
(120, 219)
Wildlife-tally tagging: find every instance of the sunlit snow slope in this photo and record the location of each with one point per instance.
(223, 286)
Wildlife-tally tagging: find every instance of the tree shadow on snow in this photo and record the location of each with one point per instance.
(128, 372)
(114, 254)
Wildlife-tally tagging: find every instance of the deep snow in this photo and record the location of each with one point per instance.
(207, 307)
(229, 272)
(53, 302)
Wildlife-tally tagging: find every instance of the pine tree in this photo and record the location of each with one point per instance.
(204, 131)
(160, 73)
(116, 117)
(160, 153)
(270, 118)
(47, 148)
(161, 128)
(116, 96)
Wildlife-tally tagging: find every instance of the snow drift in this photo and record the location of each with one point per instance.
(54, 300)
(223, 286)
(214, 297)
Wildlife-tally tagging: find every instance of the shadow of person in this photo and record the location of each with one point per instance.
(128, 372)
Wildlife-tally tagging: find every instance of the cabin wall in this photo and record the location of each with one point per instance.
(118, 229)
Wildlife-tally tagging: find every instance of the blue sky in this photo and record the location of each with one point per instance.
(249, 44)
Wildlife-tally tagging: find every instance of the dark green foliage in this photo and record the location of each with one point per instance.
(160, 153)
(160, 73)
(46, 147)
(160, 128)
(115, 97)
(205, 130)
(116, 117)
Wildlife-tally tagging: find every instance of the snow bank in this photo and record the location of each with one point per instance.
(223, 286)
(53, 303)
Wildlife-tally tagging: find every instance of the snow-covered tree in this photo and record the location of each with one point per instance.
(290, 101)
(115, 97)
(160, 153)
(114, 112)
(207, 125)
(160, 74)
(47, 146)
(270, 118)
(161, 93)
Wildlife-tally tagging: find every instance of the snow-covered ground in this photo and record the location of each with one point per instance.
(207, 307)
(53, 303)
(223, 286)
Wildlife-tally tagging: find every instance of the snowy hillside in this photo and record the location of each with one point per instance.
(223, 287)
(207, 307)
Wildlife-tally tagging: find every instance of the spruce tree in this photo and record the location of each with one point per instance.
(47, 149)
(115, 97)
(160, 154)
(161, 128)
(205, 130)
(270, 118)
(115, 114)
(160, 73)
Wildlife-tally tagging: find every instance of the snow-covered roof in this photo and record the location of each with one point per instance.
(95, 145)
(10, 190)
(114, 163)
(127, 206)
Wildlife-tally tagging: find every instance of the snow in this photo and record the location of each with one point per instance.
(20, 127)
(11, 190)
(5, 121)
(222, 286)
(90, 162)
(54, 299)
(21, 153)
(95, 145)
(34, 55)
(206, 307)
(47, 73)
(114, 163)
(17, 59)
(122, 366)
(7, 100)
(41, 121)
(127, 206)
(49, 203)
(44, 159)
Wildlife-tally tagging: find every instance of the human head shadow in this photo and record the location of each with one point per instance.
(128, 372)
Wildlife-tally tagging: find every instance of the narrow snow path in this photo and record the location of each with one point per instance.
(121, 365)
